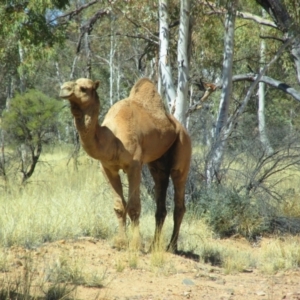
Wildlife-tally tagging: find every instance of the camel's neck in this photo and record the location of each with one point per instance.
(86, 122)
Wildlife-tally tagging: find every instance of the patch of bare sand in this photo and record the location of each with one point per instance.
(134, 276)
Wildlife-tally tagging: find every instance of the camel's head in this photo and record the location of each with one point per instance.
(81, 92)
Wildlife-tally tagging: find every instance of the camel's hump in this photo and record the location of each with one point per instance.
(144, 93)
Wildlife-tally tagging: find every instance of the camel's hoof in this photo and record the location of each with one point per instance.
(135, 243)
(157, 245)
(172, 249)
(120, 243)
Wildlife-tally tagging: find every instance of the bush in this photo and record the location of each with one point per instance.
(29, 123)
(229, 213)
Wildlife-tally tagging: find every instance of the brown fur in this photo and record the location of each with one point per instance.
(135, 131)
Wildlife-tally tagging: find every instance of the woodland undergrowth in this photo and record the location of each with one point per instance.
(64, 202)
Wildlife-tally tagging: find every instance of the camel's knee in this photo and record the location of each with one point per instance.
(119, 209)
(134, 214)
(119, 213)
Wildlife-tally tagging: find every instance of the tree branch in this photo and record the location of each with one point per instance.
(139, 36)
(240, 14)
(233, 119)
(209, 88)
(272, 37)
(270, 81)
(74, 12)
(88, 26)
(154, 35)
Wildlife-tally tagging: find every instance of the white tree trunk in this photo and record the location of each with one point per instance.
(87, 47)
(111, 60)
(218, 146)
(181, 104)
(296, 54)
(22, 72)
(288, 25)
(261, 102)
(164, 64)
(73, 67)
(190, 104)
(119, 75)
(60, 77)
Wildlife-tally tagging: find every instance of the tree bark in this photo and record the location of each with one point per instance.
(22, 72)
(181, 105)
(287, 25)
(88, 52)
(164, 64)
(35, 155)
(261, 104)
(111, 58)
(2, 156)
(215, 156)
(256, 79)
(216, 9)
(270, 81)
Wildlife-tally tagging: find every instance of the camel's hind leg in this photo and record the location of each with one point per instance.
(133, 208)
(181, 155)
(160, 171)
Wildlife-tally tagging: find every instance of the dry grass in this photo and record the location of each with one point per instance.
(279, 254)
(61, 203)
(58, 203)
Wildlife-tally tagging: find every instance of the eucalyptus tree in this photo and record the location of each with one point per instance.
(227, 119)
(177, 100)
(166, 85)
(216, 153)
(261, 101)
(28, 29)
(285, 23)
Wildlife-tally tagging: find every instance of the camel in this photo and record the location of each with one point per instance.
(135, 131)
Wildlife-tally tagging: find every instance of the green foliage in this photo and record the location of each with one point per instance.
(27, 20)
(228, 212)
(59, 291)
(31, 117)
(30, 122)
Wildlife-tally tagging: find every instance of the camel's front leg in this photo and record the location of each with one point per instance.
(134, 203)
(119, 204)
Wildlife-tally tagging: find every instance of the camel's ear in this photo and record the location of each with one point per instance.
(96, 84)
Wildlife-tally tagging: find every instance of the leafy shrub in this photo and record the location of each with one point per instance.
(29, 123)
(228, 212)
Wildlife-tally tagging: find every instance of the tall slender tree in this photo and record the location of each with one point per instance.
(287, 25)
(261, 101)
(166, 85)
(182, 104)
(215, 156)
(177, 100)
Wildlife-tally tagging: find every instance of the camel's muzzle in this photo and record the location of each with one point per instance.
(65, 94)
(66, 90)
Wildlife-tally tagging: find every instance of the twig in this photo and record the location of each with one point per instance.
(74, 12)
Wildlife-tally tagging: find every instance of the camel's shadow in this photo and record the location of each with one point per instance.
(188, 255)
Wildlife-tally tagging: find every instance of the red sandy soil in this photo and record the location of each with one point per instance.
(177, 277)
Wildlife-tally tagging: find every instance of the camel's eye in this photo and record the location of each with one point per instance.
(83, 89)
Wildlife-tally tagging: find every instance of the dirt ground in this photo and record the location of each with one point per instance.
(146, 277)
